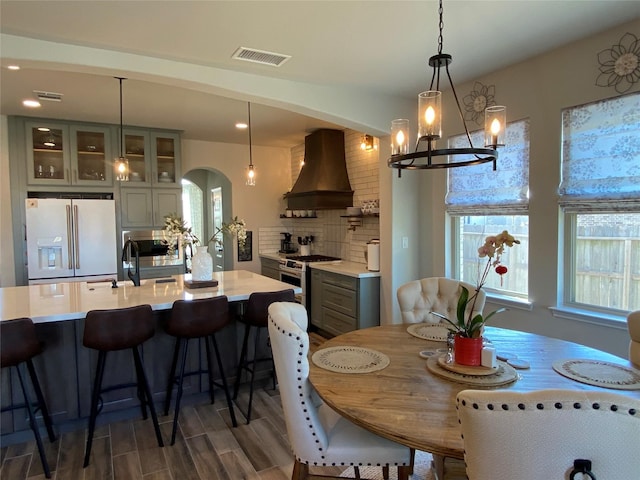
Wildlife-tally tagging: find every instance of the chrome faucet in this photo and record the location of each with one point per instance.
(130, 245)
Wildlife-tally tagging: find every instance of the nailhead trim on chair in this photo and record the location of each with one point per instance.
(304, 408)
(541, 406)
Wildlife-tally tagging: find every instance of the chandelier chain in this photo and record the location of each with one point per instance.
(440, 27)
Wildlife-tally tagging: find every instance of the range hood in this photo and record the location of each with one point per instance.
(323, 182)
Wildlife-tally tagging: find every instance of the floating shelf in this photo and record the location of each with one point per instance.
(312, 216)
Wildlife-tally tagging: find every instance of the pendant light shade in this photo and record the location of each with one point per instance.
(251, 171)
(121, 163)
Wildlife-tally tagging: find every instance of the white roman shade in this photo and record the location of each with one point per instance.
(601, 156)
(478, 190)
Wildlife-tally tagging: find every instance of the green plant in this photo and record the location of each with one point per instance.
(470, 326)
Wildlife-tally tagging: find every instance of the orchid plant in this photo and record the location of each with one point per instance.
(468, 325)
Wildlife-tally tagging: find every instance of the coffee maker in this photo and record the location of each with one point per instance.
(286, 245)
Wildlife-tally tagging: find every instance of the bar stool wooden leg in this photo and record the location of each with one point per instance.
(172, 376)
(149, 397)
(33, 424)
(224, 381)
(95, 397)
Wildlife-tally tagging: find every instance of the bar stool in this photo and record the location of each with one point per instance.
(119, 329)
(19, 345)
(197, 319)
(257, 315)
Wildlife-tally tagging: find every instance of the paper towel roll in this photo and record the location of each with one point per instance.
(373, 257)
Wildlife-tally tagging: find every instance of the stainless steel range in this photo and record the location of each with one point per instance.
(294, 271)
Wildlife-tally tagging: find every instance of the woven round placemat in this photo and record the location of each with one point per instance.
(505, 374)
(346, 359)
(435, 332)
(599, 373)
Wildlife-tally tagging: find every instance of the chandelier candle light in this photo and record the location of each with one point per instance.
(430, 127)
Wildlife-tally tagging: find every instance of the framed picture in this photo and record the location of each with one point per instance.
(245, 253)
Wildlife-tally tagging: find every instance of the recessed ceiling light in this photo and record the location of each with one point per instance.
(31, 103)
(241, 125)
(13, 67)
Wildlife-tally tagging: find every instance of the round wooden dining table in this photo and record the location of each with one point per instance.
(409, 404)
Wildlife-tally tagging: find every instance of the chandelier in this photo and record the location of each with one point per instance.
(121, 163)
(430, 127)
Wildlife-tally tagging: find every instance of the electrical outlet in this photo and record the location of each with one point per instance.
(405, 242)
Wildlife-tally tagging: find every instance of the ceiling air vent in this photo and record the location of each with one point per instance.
(49, 96)
(260, 56)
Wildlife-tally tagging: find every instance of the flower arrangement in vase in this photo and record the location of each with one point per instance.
(466, 325)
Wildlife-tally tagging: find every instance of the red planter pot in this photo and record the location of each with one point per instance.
(467, 351)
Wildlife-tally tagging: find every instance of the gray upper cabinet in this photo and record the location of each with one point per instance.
(68, 154)
(154, 158)
(48, 153)
(146, 207)
(165, 160)
(91, 156)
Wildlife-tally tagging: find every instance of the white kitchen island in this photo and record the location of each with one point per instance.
(71, 301)
(66, 367)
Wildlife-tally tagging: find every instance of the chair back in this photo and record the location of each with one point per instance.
(117, 329)
(257, 313)
(434, 294)
(18, 341)
(633, 325)
(290, 346)
(198, 318)
(539, 434)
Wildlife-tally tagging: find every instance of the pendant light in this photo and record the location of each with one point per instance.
(121, 163)
(430, 130)
(251, 172)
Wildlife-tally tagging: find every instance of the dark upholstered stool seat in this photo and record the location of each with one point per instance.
(256, 315)
(196, 319)
(112, 330)
(19, 344)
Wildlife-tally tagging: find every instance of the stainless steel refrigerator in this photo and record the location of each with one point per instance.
(70, 240)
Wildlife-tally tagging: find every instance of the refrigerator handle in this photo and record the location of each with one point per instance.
(69, 253)
(76, 235)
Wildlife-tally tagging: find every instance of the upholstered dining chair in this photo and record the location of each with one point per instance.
(633, 325)
(317, 434)
(549, 434)
(434, 294)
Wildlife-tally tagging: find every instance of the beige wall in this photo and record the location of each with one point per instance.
(260, 205)
(538, 89)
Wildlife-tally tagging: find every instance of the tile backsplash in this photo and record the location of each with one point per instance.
(330, 229)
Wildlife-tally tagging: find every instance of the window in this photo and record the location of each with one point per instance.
(600, 201)
(482, 202)
(192, 209)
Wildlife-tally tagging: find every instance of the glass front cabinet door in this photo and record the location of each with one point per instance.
(136, 147)
(48, 159)
(91, 156)
(165, 154)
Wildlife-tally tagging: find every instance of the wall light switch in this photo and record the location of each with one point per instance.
(405, 242)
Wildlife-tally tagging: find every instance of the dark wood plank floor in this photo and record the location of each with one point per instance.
(206, 447)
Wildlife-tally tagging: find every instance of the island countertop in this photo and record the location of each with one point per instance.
(72, 300)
